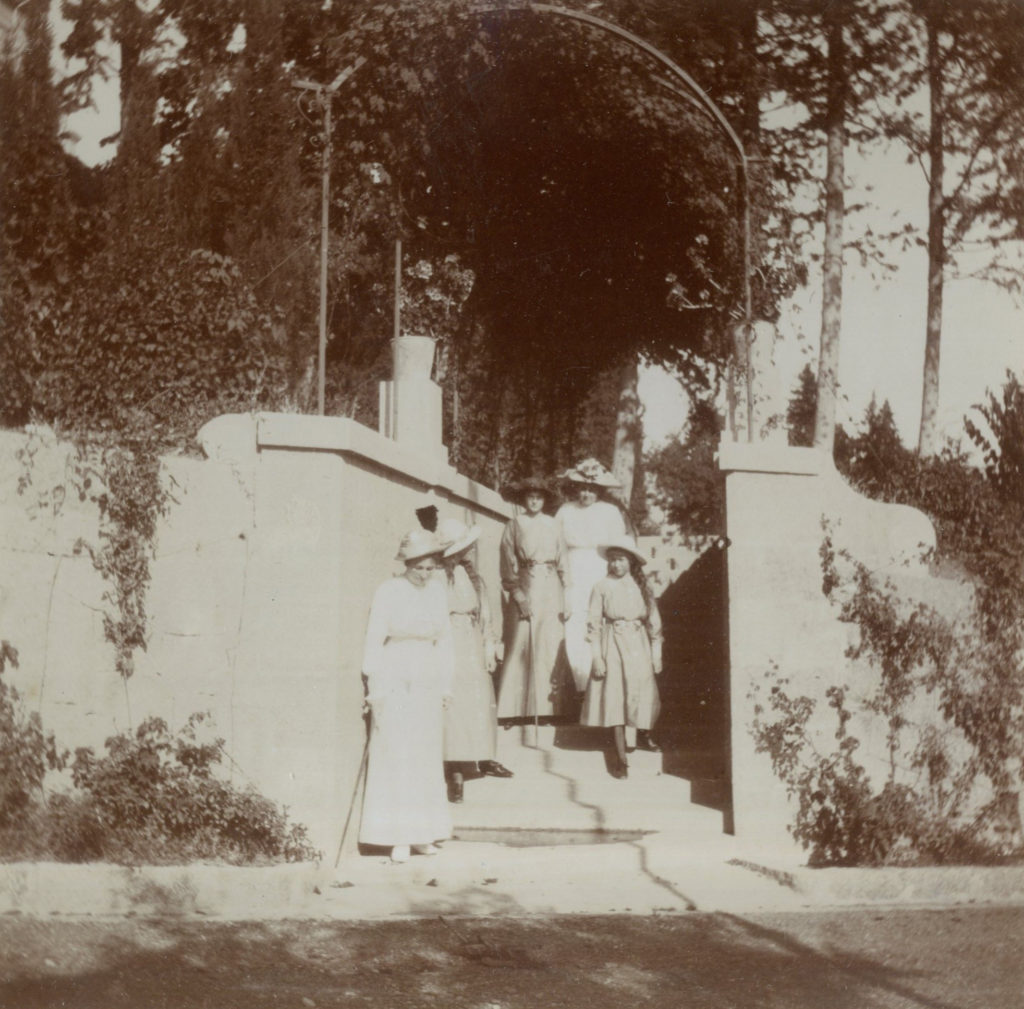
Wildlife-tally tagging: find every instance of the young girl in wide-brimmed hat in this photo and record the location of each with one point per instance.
(624, 630)
(535, 672)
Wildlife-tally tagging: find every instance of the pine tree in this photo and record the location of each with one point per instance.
(802, 409)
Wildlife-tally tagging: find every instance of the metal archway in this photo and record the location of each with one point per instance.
(708, 105)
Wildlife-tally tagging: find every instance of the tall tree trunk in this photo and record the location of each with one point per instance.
(629, 433)
(832, 287)
(927, 441)
(135, 186)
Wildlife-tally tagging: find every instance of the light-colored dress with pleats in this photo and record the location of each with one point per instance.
(626, 634)
(470, 723)
(535, 672)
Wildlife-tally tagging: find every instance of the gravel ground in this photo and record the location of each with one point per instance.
(862, 958)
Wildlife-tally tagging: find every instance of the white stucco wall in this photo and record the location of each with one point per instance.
(777, 499)
(262, 578)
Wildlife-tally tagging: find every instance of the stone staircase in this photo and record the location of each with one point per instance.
(564, 837)
(563, 793)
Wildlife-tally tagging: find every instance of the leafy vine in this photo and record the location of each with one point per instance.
(951, 791)
(122, 479)
(131, 498)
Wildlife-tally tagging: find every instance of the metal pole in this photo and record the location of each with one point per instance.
(398, 296)
(325, 98)
(395, 337)
(748, 311)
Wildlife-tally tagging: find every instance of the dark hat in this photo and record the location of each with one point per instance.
(428, 517)
(518, 490)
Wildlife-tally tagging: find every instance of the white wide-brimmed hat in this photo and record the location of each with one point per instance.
(418, 543)
(456, 536)
(625, 544)
(590, 471)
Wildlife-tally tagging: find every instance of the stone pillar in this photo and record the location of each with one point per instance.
(777, 499)
(777, 616)
(411, 403)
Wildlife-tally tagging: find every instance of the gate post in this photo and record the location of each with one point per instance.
(777, 612)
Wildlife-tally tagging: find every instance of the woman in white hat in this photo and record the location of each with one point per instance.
(586, 522)
(534, 573)
(408, 663)
(470, 721)
(624, 628)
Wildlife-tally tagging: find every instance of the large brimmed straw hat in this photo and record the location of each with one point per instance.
(590, 471)
(625, 544)
(416, 544)
(456, 536)
(518, 489)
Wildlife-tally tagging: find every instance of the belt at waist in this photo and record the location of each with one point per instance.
(539, 564)
(626, 621)
(411, 637)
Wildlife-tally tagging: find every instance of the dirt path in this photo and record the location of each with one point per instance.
(819, 960)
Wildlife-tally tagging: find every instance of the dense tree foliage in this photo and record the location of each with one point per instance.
(593, 209)
(576, 185)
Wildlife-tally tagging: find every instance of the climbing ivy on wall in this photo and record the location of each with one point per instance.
(953, 785)
(124, 483)
(122, 480)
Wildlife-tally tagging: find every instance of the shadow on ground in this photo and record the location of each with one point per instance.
(855, 959)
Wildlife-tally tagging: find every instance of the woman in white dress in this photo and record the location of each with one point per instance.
(408, 663)
(586, 522)
(470, 721)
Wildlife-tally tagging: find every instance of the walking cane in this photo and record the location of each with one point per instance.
(355, 793)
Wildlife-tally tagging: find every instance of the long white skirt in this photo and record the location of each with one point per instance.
(586, 568)
(406, 799)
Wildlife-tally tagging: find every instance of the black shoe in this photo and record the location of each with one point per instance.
(454, 791)
(644, 742)
(620, 769)
(493, 769)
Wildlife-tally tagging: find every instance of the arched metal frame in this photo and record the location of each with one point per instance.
(708, 105)
(704, 101)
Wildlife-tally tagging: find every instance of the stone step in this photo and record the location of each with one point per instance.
(563, 793)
